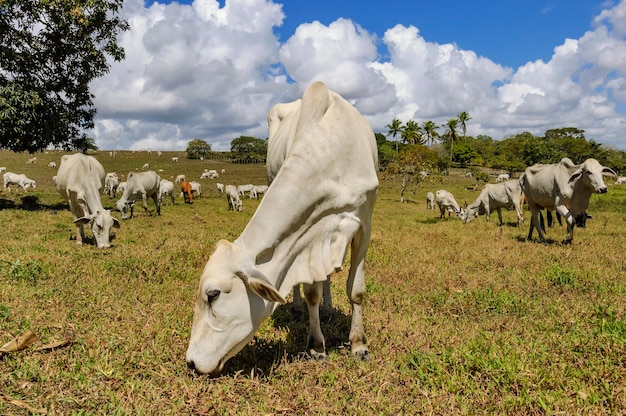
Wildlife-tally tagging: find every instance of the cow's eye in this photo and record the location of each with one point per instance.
(211, 295)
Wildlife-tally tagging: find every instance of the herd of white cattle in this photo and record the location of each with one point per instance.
(300, 238)
(562, 187)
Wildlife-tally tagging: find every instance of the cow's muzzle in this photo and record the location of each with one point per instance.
(603, 190)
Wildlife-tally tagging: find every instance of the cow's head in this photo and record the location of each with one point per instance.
(230, 306)
(590, 175)
(468, 213)
(125, 207)
(101, 224)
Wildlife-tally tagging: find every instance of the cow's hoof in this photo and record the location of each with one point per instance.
(318, 356)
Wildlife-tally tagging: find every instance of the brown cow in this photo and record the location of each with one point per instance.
(185, 187)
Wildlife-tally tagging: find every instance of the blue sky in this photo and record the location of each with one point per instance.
(211, 70)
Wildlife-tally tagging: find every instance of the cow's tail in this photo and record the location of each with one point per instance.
(315, 102)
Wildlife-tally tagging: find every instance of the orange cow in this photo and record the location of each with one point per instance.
(185, 187)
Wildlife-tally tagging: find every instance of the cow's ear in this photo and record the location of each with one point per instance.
(608, 172)
(576, 175)
(116, 223)
(82, 220)
(262, 286)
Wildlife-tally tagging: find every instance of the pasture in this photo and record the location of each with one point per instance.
(461, 318)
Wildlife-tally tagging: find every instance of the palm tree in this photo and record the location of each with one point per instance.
(430, 130)
(395, 128)
(412, 133)
(451, 135)
(463, 117)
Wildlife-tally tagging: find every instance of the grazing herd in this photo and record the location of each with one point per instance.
(562, 187)
(322, 165)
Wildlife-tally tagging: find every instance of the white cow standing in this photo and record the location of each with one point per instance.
(495, 196)
(79, 180)
(297, 235)
(111, 182)
(18, 179)
(563, 187)
(140, 185)
(446, 202)
(166, 189)
(430, 200)
(621, 181)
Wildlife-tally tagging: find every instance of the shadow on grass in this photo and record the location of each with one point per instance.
(433, 220)
(263, 354)
(30, 203)
(549, 241)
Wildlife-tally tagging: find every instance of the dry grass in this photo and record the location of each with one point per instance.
(461, 319)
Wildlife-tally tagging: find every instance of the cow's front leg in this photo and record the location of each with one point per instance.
(570, 220)
(535, 223)
(144, 199)
(500, 216)
(313, 295)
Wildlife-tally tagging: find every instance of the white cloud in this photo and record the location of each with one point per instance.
(211, 72)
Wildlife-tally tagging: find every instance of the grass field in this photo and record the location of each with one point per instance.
(461, 318)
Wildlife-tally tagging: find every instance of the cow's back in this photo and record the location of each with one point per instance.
(543, 184)
(78, 171)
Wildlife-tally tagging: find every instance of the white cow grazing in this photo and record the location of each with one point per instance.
(430, 200)
(620, 181)
(18, 179)
(446, 202)
(3, 169)
(79, 180)
(564, 187)
(234, 202)
(166, 188)
(503, 177)
(111, 182)
(145, 166)
(220, 188)
(174, 160)
(496, 196)
(52, 165)
(196, 188)
(140, 185)
(31, 160)
(298, 234)
(180, 178)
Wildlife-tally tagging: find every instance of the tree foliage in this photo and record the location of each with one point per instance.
(248, 149)
(198, 149)
(50, 51)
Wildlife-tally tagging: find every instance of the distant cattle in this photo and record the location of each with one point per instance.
(18, 179)
(232, 195)
(174, 160)
(196, 188)
(298, 234)
(495, 196)
(259, 190)
(563, 187)
(430, 200)
(79, 181)
(111, 182)
(52, 165)
(140, 186)
(180, 178)
(209, 174)
(503, 177)
(31, 160)
(185, 188)
(220, 188)
(3, 169)
(166, 189)
(242, 189)
(446, 202)
(145, 166)
(621, 181)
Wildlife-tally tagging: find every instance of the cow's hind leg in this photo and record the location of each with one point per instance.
(297, 306)
(327, 306)
(355, 287)
(316, 345)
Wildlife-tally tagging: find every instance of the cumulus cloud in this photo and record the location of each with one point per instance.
(212, 72)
